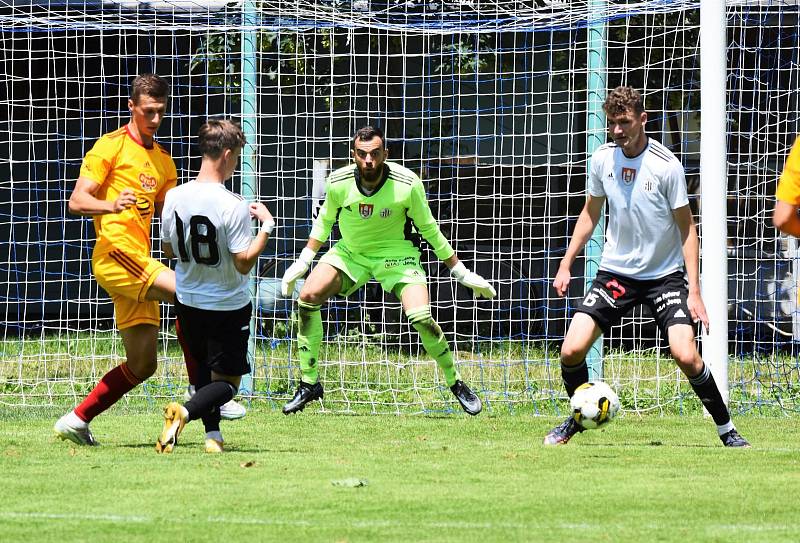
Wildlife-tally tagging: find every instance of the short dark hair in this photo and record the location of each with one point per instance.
(623, 99)
(219, 134)
(367, 133)
(151, 85)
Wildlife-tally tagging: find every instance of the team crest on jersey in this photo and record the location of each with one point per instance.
(365, 210)
(628, 175)
(148, 181)
(385, 212)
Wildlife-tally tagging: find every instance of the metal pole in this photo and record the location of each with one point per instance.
(595, 137)
(249, 155)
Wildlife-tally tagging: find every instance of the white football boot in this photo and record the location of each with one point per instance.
(230, 411)
(71, 427)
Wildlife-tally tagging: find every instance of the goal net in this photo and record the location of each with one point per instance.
(486, 101)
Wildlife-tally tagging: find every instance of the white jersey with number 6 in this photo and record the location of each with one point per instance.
(204, 223)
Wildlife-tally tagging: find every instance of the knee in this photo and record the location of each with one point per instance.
(571, 354)
(233, 386)
(687, 359)
(423, 322)
(311, 296)
(142, 367)
(306, 296)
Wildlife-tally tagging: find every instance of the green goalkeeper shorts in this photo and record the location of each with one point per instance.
(388, 271)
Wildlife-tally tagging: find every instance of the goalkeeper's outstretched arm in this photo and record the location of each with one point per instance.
(420, 212)
(479, 286)
(300, 266)
(320, 231)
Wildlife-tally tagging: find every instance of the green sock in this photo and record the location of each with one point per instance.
(434, 341)
(309, 336)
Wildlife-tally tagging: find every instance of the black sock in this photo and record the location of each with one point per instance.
(706, 389)
(206, 401)
(574, 376)
(211, 421)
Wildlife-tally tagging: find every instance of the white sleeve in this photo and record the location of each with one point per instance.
(594, 184)
(676, 186)
(239, 228)
(168, 218)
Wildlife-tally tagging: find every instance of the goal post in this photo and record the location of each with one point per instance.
(713, 188)
(595, 137)
(249, 157)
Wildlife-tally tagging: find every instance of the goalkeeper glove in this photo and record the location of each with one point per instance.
(479, 285)
(296, 271)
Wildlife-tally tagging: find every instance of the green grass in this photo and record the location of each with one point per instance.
(361, 375)
(452, 478)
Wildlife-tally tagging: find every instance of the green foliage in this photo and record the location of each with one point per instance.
(319, 59)
(218, 57)
(286, 58)
(468, 59)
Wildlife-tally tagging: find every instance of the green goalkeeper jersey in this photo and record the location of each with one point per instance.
(382, 223)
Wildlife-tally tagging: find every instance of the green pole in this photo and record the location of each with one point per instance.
(595, 137)
(248, 157)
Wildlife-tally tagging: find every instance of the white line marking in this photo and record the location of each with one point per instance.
(372, 524)
(285, 522)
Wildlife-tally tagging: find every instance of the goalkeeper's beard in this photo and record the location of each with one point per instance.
(370, 176)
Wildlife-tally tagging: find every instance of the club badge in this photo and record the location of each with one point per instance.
(365, 210)
(628, 175)
(148, 182)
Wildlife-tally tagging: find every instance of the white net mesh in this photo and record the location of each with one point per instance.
(486, 101)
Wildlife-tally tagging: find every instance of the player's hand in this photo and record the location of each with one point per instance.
(697, 309)
(479, 286)
(561, 282)
(126, 199)
(259, 211)
(296, 271)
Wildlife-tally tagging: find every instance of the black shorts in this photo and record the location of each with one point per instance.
(217, 339)
(611, 296)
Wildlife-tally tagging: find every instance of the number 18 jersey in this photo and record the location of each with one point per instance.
(205, 223)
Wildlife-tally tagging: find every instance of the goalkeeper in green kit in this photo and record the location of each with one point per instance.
(378, 205)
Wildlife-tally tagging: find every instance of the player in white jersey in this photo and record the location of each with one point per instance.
(207, 228)
(651, 250)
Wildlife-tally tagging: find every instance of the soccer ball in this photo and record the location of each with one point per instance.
(594, 404)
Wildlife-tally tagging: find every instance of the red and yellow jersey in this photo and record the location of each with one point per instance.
(119, 161)
(789, 184)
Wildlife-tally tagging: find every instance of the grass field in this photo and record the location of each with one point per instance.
(362, 375)
(451, 478)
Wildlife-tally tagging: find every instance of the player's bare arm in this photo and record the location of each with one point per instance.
(83, 200)
(245, 260)
(587, 221)
(313, 244)
(691, 256)
(786, 219)
(166, 247)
